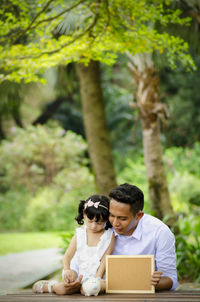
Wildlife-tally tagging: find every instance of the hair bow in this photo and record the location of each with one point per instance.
(90, 203)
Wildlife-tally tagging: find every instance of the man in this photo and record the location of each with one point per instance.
(141, 234)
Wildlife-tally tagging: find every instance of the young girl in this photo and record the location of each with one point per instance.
(90, 245)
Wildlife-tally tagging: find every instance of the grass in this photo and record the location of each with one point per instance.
(20, 242)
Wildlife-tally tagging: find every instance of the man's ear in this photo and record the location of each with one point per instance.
(139, 215)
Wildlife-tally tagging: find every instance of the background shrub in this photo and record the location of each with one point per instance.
(43, 174)
(12, 207)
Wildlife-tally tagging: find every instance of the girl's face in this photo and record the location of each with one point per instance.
(94, 226)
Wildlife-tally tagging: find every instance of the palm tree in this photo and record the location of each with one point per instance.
(146, 81)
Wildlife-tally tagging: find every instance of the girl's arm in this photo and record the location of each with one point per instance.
(102, 267)
(69, 275)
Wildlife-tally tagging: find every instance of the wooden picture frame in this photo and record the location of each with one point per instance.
(129, 274)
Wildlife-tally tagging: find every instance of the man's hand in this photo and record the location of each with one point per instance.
(161, 283)
(155, 278)
(75, 286)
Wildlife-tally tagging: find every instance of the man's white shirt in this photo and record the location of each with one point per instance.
(151, 237)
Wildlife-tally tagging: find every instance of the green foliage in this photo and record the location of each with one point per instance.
(130, 168)
(189, 223)
(186, 187)
(183, 169)
(43, 176)
(183, 159)
(54, 208)
(188, 248)
(180, 91)
(70, 118)
(9, 242)
(188, 258)
(121, 119)
(66, 238)
(134, 169)
(32, 40)
(12, 207)
(36, 155)
(11, 97)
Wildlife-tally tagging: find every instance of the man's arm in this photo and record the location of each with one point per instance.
(165, 260)
(161, 283)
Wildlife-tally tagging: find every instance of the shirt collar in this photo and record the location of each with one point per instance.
(137, 234)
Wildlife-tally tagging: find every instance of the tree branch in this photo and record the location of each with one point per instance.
(195, 16)
(64, 45)
(30, 27)
(58, 15)
(34, 19)
(50, 110)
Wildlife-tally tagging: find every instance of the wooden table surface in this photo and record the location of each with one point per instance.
(176, 296)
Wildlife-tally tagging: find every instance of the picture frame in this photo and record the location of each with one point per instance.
(129, 273)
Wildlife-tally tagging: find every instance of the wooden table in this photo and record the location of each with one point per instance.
(176, 296)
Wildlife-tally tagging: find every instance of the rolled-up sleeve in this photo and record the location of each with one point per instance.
(165, 257)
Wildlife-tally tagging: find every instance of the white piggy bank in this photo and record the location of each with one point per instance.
(91, 286)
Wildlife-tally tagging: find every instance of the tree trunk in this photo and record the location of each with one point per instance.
(151, 110)
(95, 126)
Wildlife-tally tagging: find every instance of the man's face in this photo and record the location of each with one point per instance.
(122, 219)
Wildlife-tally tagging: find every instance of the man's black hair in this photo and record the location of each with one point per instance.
(129, 194)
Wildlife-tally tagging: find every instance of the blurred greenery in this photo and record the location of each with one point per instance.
(180, 91)
(188, 254)
(44, 174)
(9, 242)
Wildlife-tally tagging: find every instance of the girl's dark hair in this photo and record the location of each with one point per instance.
(100, 212)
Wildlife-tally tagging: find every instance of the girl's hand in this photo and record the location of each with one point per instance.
(74, 287)
(69, 276)
(155, 278)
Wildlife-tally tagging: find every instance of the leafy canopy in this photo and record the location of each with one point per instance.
(35, 35)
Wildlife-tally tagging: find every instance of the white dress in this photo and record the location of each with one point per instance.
(88, 257)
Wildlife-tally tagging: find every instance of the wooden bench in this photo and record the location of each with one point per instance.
(167, 296)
